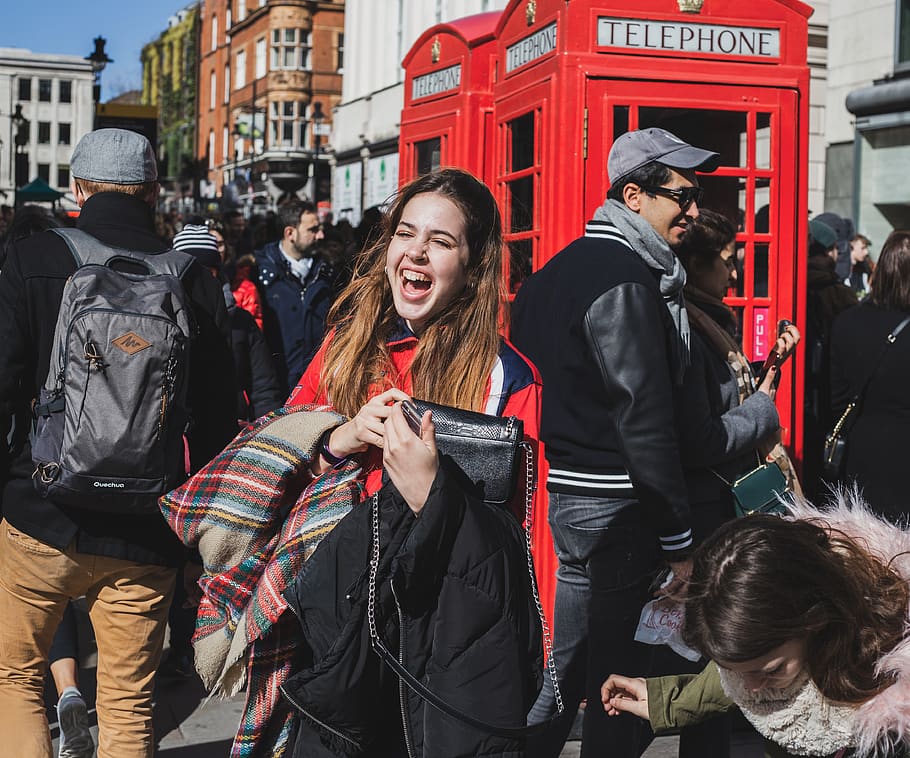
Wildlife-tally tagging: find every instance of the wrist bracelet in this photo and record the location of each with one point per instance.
(326, 452)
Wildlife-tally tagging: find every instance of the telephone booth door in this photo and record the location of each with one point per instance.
(754, 130)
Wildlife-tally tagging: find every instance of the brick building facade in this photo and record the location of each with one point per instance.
(269, 77)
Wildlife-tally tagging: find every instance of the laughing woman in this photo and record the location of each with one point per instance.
(420, 318)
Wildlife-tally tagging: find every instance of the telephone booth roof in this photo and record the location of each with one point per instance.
(733, 31)
(466, 43)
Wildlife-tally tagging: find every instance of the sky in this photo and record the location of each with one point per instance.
(69, 27)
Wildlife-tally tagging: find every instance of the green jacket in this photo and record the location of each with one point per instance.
(685, 699)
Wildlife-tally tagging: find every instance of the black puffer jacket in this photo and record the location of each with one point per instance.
(456, 581)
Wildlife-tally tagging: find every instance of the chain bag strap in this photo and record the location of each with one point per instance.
(417, 686)
(835, 450)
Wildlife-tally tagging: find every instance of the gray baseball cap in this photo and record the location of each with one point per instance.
(115, 156)
(633, 150)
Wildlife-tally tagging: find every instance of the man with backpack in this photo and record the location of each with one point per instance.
(120, 359)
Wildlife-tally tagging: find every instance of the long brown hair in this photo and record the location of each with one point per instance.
(459, 345)
(890, 287)
(761, 581)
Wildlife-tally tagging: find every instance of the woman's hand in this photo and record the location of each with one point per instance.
(622, 694)
(785, 345)
(367, 427)
(411, 461)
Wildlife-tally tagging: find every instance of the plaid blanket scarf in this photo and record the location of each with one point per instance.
(256, 515)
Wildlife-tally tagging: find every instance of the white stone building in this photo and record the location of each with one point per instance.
(55, 95)
(377, 36)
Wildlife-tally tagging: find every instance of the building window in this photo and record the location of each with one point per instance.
(340, 53)
(211, 149)
(65, 90)
(240, 70)
(241, 10)
(291, 49)
(44, 132)
(288, 124)
(214, 32)
(227, 24)
(225, 143)
(44, 90)
(902, 48)
(63, 134)
(63, 175)
(213, 90)
(44, 172)
(227, 83)
(25, 89)
(260, 58)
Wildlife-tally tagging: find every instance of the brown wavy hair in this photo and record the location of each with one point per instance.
(761, 581)
(459, 345)
(890, 286)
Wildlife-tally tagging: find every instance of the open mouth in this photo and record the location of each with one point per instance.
(415, 283)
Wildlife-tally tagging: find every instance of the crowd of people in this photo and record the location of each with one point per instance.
(624, 366)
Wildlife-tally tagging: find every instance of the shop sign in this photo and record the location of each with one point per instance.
(685, 37)
(436, 82)
(531, 48)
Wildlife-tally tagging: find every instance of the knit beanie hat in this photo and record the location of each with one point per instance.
(199, 242)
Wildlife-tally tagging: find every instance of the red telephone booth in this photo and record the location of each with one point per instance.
(447, 119)
(728, 76)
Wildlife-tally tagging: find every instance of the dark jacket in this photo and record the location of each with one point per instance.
(716, 433)
(594, 323)
(293, 312)
(258, 388)
(31, 287)
(878, 438)
(456, 582)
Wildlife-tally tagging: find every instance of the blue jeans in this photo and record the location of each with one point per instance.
(607, 558)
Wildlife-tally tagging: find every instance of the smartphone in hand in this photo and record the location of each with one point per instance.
(411, 415)
(775, 359)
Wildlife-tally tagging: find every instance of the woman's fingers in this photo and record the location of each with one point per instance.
(622, 694)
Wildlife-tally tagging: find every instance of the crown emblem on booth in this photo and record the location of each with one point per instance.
(435, 50)
(690, 6)
(531, 11)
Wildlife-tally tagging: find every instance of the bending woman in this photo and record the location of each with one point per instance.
(806, 620)
(420, 317)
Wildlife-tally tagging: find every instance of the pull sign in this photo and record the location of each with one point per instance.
(684, 37)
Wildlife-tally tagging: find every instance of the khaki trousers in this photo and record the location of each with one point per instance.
(128, 604)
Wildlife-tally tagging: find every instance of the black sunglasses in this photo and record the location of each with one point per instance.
(684, 196)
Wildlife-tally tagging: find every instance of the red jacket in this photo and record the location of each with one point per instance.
(247, 297)
(513, 389)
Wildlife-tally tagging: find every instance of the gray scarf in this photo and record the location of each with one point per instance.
(656, 254)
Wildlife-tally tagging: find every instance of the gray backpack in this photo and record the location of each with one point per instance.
(112, 413)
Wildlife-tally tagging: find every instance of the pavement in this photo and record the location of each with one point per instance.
(189, 725)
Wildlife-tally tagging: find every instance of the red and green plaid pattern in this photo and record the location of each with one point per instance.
(256, 515)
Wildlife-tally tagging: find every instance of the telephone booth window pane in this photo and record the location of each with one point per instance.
(429, 155)
(763, 140)
(720, 131)
(522, 130)
(620, 120)
(521, 255)
(740, 289)
(722, 195)
(739, 312)
(521, 204)
(760, 270)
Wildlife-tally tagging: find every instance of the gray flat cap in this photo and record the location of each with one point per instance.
(633, 150)
(117, 156)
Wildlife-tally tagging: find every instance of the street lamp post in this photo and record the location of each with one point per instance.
(20, 141)
(98, 58)
(318, 117)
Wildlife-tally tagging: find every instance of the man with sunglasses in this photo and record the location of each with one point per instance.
(297, 290)
(612, 363)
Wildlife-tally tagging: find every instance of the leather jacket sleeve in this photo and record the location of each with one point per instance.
(624, 329)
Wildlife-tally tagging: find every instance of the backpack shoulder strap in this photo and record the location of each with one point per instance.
(87, 249)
